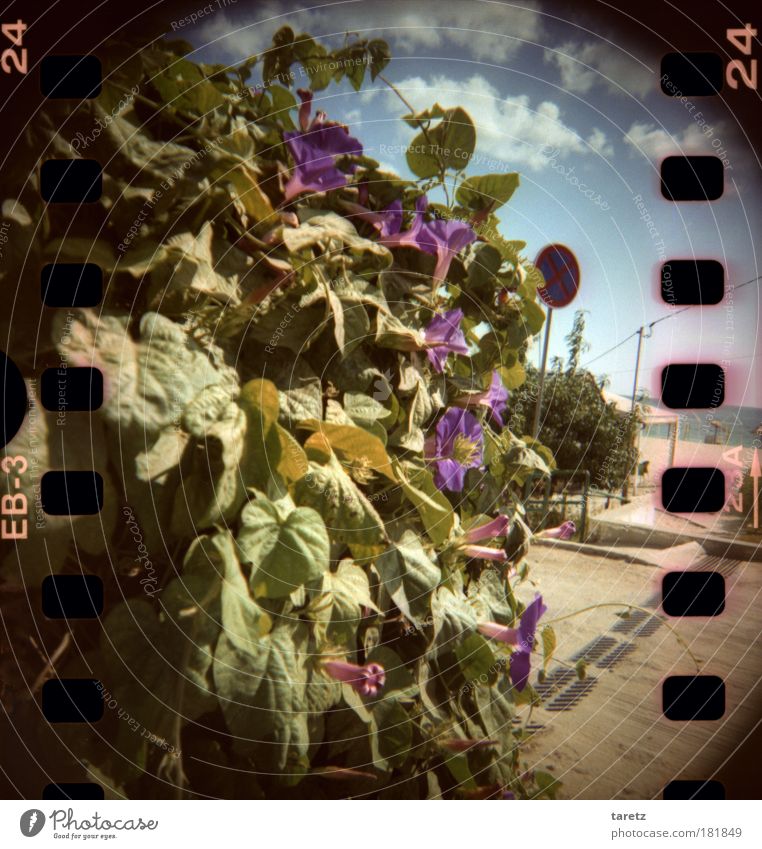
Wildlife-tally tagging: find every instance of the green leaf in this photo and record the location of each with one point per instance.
(548, 785)
(477, 662)
(392, 734)
(534, 316)
(433, 507)
(409, 576)
(286, 547)
(380, 56)
(581, 669)
(243, 620)
(184, 86)
(512, 377)
(399, 680)
(161, 663)
(354, 446)
(483, 264)
(450, 144)
(347, 513)
(487, 191)
(453, 619)
(364, 410)
(549, 643)
(339, 609)
(262, 693)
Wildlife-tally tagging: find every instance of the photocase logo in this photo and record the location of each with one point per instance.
(383, 386)
(31, 822)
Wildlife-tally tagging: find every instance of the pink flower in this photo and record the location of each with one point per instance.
(495, 399)
(484, 552)
(366, 680)
(565, 531)
(501, 633)
(522, 637)
(498, 527)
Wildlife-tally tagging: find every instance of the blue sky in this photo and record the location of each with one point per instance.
(558, 103)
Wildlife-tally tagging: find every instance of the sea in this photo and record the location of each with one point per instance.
(740, 422)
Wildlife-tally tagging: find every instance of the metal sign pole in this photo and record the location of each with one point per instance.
(541, 382)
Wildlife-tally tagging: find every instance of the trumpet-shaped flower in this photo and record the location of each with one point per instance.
(315, 150)
(443, 336)
(495, 399)
(456, 446)
(444, 238)
(366, 680)
(564, 531)
(522, 638)
(497, 527)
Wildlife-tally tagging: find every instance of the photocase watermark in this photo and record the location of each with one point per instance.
(80, 142)
(150, 581)
(551, 154)
(5, 228)
(497, 667)
(112, 704)
(194, 17)
(33, 821)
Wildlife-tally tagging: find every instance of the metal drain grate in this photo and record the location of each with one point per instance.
(651, 626)
(573, 694)
(615, 655)
(554, 682)
(530, 728)
(630, 623)
(595, 650)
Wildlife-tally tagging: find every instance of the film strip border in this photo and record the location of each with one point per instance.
(693, 282)
(684, 282)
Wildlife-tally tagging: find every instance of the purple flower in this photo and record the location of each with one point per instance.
(440, 237)
(366, 680)
(565, 531)
(522, 637)
(457, 446)
(444, 335)
(494, 399)
(448, 238)
(508, 794)
(315, 150)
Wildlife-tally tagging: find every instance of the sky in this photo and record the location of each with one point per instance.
(578, 111)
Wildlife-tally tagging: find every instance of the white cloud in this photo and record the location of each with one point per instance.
(601, 63)
(509, 129)
(656, 143)
(488, 32)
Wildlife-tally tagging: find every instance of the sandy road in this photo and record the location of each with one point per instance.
(606, 737)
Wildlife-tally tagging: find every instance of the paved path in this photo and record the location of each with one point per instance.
(605, 736)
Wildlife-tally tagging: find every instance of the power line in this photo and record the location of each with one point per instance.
(656, 321)
(618, 344)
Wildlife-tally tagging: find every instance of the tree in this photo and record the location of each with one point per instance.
(576, 424)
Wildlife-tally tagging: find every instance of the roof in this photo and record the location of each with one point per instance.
(649, 415)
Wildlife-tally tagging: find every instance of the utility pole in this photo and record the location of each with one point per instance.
(632, 405)
(541, 382)
(637, 369)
